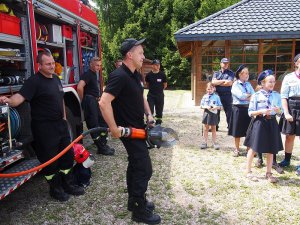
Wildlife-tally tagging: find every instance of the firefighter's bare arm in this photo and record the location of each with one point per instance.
(108, 114)
(148, 111)
(80, 89)
(165, 85)
(13, 101)
(146, 84)
(64, 106)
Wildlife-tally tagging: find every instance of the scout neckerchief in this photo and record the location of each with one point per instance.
(267, 94)
(244, 85)
(207, 100)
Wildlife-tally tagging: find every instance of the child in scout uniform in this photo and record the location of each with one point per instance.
(263, 135)
(211, 103)
(241, 93)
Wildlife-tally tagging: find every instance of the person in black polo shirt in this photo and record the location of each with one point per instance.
(123, 105)
(223, 80)
(89, 93)
(49, 126)
(156, 81)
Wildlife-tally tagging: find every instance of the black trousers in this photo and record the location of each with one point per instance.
(93, 116)
(157, 102)
(50, 138)
(226, 101)
(139, 170)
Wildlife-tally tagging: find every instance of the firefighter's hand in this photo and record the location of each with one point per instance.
(4, 100)
(150, 121)
(116, 132)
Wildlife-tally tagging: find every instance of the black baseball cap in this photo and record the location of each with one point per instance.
(239, 70)
(155, 61)
(129, 44)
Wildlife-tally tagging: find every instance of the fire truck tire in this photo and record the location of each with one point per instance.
(71, 123)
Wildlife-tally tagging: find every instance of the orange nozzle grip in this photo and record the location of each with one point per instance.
(138, 133)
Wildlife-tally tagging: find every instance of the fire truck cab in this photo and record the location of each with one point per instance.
(69, 30)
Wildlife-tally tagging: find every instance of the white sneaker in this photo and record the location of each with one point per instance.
(216, 146)
(203, 146)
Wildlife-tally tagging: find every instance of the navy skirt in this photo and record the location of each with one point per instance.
(291, 128)
(210, 118)
(239, 121)
(263, 135)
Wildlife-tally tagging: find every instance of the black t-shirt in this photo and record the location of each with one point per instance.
(45, 96)
(92, 84)
(156, 82)
(128, 105)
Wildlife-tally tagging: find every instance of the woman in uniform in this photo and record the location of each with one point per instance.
(290, 120)
(241, 93)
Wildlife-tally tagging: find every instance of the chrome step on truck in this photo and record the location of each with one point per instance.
(12, 159)
(8, 185)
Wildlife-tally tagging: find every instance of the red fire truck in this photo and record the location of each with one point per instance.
(67, 28)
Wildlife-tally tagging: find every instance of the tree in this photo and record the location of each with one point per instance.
(156, 20)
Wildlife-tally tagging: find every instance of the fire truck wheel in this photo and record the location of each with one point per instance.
(71, 123)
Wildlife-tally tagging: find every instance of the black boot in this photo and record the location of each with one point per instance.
(56, 190)
(103, 148)
(141, 213)
(158, 121)
(69, 185)
(149, 205)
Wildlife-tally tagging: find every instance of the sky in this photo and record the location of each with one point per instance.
(93, 3)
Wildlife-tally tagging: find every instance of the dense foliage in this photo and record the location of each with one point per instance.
(156, 20)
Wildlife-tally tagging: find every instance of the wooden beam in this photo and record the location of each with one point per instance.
(185, 48)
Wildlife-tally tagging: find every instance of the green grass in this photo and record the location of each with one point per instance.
(188, 186)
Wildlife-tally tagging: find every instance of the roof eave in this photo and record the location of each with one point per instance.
(237, 36)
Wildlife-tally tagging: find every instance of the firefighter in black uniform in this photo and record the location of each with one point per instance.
(156, 81)
(223, 80)
(49, 126)
(123, 104)
(89, 93)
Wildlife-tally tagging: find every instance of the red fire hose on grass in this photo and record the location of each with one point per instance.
(156, 137)
(10, 175)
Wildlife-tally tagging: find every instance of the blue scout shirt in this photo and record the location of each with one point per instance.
(240, 92)
(226, 75)
(264, 100)
(211, 100)
(290, 86)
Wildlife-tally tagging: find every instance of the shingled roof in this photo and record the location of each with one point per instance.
(248, 19)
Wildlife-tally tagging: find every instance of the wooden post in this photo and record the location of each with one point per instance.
(293, 54)
(198, 66)
(193, 69)
(260, 55)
